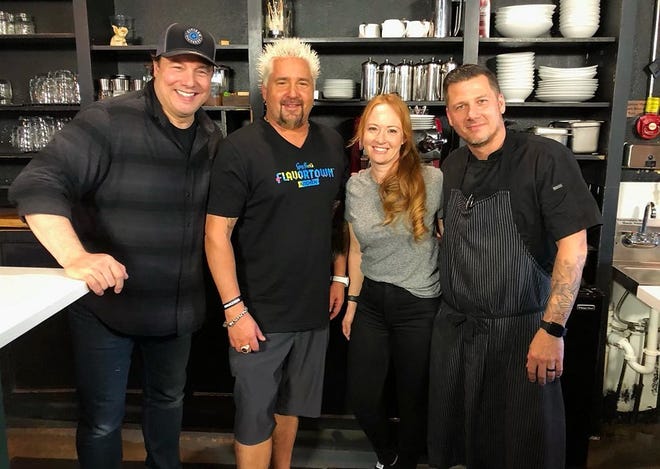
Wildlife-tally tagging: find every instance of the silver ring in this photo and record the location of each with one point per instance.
(246, 348)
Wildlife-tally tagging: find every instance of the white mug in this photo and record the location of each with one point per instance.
(369, 30)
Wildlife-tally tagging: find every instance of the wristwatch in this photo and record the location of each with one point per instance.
(553, 328)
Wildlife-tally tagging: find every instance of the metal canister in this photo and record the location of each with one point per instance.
(447, 67)
(369, 82)
(387, 73)
(419, 80)
(404, 80)
(433, 80)
(121, 84)
(442, 18)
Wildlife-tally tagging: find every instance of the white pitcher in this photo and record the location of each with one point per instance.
(418, 28)
(393, 28)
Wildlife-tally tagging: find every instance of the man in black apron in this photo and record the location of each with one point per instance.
(511, 259)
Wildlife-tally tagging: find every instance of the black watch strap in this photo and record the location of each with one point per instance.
(553, 328)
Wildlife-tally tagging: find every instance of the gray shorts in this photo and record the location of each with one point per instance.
(284, 377)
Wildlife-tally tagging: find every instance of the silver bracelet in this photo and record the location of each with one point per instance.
(236, 319)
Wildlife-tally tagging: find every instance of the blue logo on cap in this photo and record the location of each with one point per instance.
(193, 36)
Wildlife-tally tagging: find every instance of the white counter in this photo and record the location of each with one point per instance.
(650, 294)
(30, 295)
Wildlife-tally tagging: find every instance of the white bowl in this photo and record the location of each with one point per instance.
(527, 9)
(523, 30)
(579, 19)
(516, 95)
(578, 31)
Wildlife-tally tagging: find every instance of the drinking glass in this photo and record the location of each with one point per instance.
(5, 92)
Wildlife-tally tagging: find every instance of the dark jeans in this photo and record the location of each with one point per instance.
(391, 326)
(102, 361)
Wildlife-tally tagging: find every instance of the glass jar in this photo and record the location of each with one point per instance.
(6, 23)
(278, 18)
(23, 24)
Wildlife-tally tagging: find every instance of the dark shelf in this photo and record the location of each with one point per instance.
(226, 108)
(544, 104)
(38, 38)
(589, 157)
(40, 107)
(546, 41)
(152, 48)
(526, 104)
(13, 156)
(388, 42)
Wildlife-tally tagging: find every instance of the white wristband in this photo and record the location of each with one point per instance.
(337, 278)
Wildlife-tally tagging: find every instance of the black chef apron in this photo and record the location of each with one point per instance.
(483, 411)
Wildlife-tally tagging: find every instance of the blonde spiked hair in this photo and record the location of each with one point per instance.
(289, 47)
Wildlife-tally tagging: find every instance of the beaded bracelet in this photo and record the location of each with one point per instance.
(236, 319)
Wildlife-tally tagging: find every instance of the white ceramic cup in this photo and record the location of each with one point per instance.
(369, 30)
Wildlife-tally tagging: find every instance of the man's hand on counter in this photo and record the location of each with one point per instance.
(99, 271)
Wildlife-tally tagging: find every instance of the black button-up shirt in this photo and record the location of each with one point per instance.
(119, 173)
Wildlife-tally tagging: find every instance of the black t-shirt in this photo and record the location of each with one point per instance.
(549, 197)
(283, 198)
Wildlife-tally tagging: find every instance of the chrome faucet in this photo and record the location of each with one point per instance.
(642, 239)
(649, 212)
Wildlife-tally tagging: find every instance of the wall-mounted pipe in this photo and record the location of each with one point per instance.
(650, 352)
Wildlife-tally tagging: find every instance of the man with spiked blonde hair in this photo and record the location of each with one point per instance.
(274, 187)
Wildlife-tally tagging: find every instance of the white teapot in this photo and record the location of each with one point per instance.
(418, 28)
(393, 28)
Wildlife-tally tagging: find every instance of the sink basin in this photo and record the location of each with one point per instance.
(634, 274)
(643, 275)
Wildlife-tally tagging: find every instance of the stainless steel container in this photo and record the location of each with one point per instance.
(583, 134)
(404, 80)
(433, 80)
(447, 67)
(369, 82)
(121, 84)
(419, 80)
(387, 73)
(559, 135)
(442, 18)
(105, 88)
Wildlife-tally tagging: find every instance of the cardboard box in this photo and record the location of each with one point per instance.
(234, 99)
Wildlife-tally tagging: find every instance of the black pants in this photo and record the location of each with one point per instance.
(103, 359)
(391, 326)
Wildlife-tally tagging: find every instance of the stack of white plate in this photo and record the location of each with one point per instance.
(422, 121)
(515, 74)
(579, 18)
(575, 84)
(338, 88)
(524, 20)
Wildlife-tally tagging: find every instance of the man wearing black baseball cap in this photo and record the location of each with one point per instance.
(118, 197)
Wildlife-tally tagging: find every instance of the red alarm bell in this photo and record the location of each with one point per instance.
(648, 125)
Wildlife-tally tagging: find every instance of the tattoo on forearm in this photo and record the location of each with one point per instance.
(566, 277)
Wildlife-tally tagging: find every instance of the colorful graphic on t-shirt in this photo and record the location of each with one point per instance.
(305, 175)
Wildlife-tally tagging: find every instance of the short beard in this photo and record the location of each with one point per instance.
(291, 124)
(479, 143)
